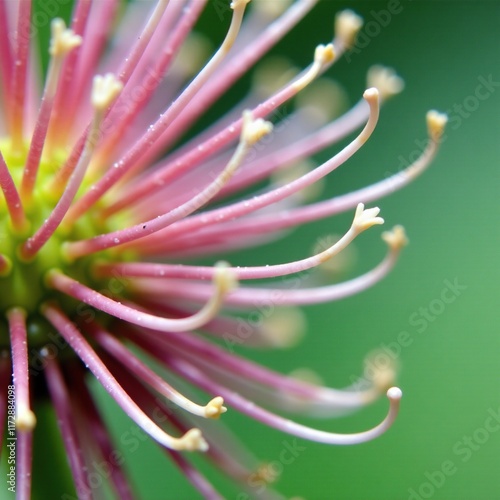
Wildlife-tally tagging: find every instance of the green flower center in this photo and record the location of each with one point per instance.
(22, 283)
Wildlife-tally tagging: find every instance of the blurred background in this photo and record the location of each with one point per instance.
(446, 441)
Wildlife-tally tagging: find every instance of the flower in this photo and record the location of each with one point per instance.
(98, 206)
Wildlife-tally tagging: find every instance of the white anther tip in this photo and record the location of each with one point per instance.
(364, 219)
(386, 80)
(26, 421)
(324, 54)
(62, 39)
(105, 90)
(394, 393)
(253, 131)
(396, 239)
(347, 26)
(436, 123)
(371, 94)
(193, 441)
(224, 278)
(215, 408)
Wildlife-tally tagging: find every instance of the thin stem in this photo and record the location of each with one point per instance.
(192, 440)
(12, 198)
(19, 76)
(62, 406)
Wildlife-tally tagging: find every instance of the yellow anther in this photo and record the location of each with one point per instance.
(364, 219)
(347, 26)
(105, 90)
(386, 80)
(215, 408)
(396, 239)
(436, 123)
(192, 441)
(252, 130)
(62, 39)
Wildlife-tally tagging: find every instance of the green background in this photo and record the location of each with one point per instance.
(450, 374)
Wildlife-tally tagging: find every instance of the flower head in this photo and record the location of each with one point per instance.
(100, 201)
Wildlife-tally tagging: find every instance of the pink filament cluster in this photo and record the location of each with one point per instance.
(131, 171)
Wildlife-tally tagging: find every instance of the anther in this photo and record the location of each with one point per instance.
(395, 239)
(63, 40)
(192, 441)
(252, 130)
(436, 123)
(364, 219)
(347, 25)
(386, 80)
(105, 89)
(215, 408)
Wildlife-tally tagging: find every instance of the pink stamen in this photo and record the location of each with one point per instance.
(97, 243)
(148, 376)
(155, 406)
(98, 30)
(199, 481)
(61, 111)
(70, 287)
(60, 46)
(232, 70)
(190, 441)
(249, 297)
(96, 430)
(12, 199)
(270, 419)
(131, 158)
(6, 56)
(150, 82)
(304, 148)
(62, 406)
(25, 418)
(235, 210)
(150, 270)
(20, 71)
(24, 465)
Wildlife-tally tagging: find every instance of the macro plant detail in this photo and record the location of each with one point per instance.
(100, 203)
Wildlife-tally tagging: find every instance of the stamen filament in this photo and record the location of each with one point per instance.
(191, 441)
(62, 406)
(6, 56)
(17, 89)
(249, 296)
(24, 464)
(146, 270)
(270, 419)
(154, 131)
(97, 431)
(212, 410)
(224, 281)
(62, 42)
(234, 68)
(252, 132)
(12, 199)
(238, 209)
(104, 92)
(219, 364)
(150, 83)
(25, 418)
(195, 477)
